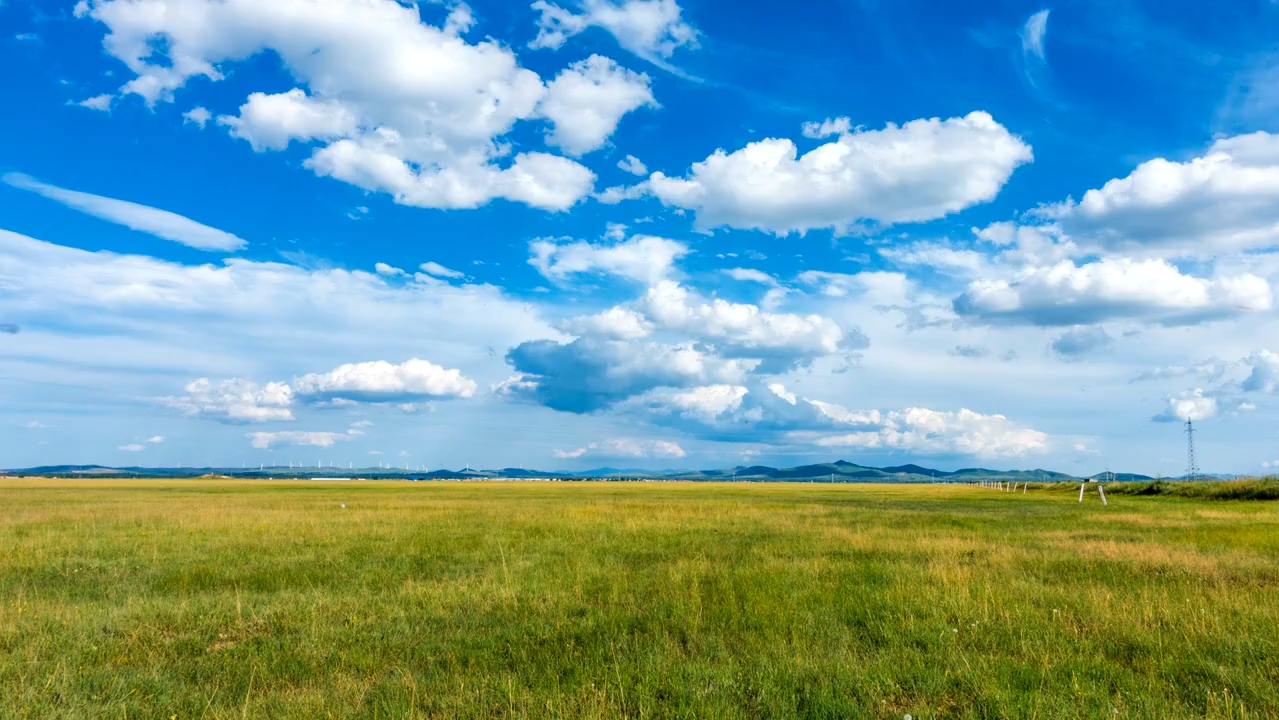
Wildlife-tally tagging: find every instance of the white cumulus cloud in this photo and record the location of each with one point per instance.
(1263, 375)
(1153, 290)
(592, 373)
(198, 116)
(381, 381)
(643, 258)
(236, 400)
(617, 323)
(741, 325)
(668, 348)
(705, 403)
(923, 170)
(1224, 201)
(586, 101)
(387, 102)
(435, 269)
(921, 430)
(271, 122)
(827, 127)
(1192, 405)
(633, 165)
(97, 102)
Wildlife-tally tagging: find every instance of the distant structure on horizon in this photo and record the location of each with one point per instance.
(1192, 467)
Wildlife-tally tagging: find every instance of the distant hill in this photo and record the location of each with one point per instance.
(909, 470)
(840, 471)
(1120, 477)
(73, 470)
(843, 471)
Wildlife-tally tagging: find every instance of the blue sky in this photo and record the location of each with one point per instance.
(639, 233)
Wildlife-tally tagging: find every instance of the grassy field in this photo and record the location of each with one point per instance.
(224, 599)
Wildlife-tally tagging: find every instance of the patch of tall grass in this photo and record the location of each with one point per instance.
(1241, 489)
(227, 599)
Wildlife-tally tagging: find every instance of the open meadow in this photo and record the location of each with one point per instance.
(234, 599)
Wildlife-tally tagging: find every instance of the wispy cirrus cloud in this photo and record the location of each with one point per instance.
(138, 447)
(161, 223)
(302, 438)
(624, 448)
(1032, 35)
(97, 102)
(651, 29)
(1034, 60)
(772, 414)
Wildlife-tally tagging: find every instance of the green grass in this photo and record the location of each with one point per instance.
(1247, 489)
(1242, 489)
(221, 599)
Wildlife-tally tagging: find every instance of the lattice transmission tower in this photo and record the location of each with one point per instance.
(1192, 467)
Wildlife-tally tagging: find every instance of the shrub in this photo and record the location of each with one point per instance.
(1242, 489)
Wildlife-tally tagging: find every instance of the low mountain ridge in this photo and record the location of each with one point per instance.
(840, 471)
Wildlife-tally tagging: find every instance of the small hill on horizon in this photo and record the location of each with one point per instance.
(839, 471)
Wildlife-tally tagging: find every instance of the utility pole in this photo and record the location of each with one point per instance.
(1192, 467)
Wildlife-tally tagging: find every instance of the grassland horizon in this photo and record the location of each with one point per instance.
(232, 599)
